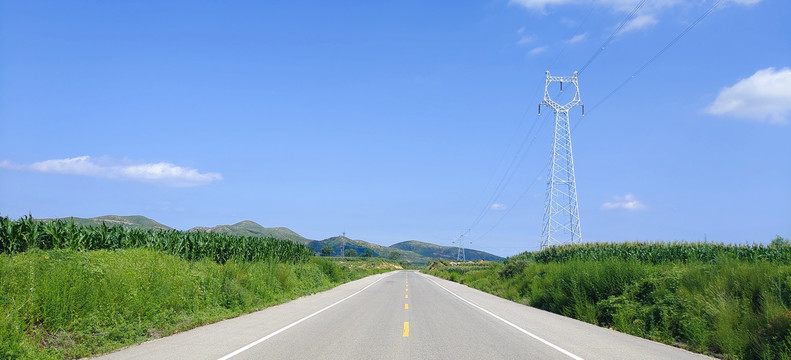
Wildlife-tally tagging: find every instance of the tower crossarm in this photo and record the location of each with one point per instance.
(561, 79)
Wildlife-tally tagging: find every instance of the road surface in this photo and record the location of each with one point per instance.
(401, 315)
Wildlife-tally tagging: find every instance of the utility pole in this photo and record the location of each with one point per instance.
(561, 209)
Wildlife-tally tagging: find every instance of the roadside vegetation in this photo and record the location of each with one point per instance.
(69, 291)
(729, 301)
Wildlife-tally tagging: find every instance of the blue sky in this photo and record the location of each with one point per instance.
(393, 121)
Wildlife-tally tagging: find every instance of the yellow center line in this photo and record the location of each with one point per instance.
(406, 296)
(406, 328)
(406, 306)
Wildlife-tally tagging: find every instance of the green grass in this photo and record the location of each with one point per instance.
(57, 304)
(733, 302)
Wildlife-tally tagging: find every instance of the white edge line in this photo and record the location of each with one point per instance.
(254, 343)
(534, 336)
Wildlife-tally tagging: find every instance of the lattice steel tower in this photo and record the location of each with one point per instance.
(461, 256)
(561, 210)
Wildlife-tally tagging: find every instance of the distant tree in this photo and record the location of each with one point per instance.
(327, 250)
(367, 253)
(779, 241)
(395, 255)
(350, 253)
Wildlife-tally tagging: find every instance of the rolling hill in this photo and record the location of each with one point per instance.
(433, 251)
(132, 221)
(360, 246)
(250, 228)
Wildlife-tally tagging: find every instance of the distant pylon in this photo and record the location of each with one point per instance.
(343, 244)
(460, 254)
(561, 210)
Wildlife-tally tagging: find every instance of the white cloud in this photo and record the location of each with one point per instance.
(568, 22)
(640, 22)
(764, 96)
(526, 40)
(577, 38)
(626, 202)
(496, 206)
(743, 2)
(540, 5)
(160, 173)
(538, 50)
(616, 5)
(647, 16)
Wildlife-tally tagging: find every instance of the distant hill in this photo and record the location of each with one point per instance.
(132, 221)
(412, 251)
(250, 228)
(360, 246)
(433, 251)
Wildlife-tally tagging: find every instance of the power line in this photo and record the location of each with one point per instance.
(620, 27)
(508, 174)
(577, 30)
(516, 161)
(522, 195)
(500, 162)
(652, 59)
(520, 154)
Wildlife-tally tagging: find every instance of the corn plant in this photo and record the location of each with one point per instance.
(18, 236)
(657, 253)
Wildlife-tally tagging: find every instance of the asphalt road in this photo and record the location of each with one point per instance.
(401, 315)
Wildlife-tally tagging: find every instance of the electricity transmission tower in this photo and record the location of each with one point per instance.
(561, 210)
(460, 256)
(343, 244)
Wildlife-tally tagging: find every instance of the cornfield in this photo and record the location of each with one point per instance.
(18, 236)
(657, 253)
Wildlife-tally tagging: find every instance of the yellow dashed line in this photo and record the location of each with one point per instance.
(406, 296)
(406, 328)
(406, 306)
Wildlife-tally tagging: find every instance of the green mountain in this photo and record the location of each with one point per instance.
(133, 221)
(358, 245)
(433, 251)
(250, 228)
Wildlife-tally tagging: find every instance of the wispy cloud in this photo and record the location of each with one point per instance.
(647, 16)
(538, 50)
(540, 5)
(765, 96)
(627, 202)
(524, 40)
(616, 5)
(577, 38)
(496, 206)
(162, 173)
(568, 22)
(640, 22)
(743, 2)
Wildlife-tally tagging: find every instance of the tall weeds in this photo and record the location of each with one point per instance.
(728, 301)
(58, 304)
